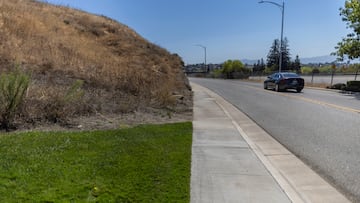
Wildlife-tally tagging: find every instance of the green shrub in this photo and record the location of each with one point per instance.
(326, 69)
(353, 85)
(315, 71)
(13, 86)
(306, 70)
(235, 69)
(217, 73)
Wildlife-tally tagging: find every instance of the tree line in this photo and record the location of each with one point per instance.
(273, 59)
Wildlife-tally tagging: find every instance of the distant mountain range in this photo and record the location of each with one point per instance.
(317, 59)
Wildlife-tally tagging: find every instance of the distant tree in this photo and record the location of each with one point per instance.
(285, 51)
(316, 71)
(350, 45)
(237, 65)
(297, 65)
(273, 56)
(272, 61)
(256, 67)
(227, 69)
(262, 64)
(235, 69)
(259, 67)
(306, 70)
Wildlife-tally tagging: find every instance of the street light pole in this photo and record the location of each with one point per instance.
(204, 47)
(282, 7)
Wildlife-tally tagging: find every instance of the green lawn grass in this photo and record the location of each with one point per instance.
(148, 163)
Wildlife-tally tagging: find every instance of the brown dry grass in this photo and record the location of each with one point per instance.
(58, 45)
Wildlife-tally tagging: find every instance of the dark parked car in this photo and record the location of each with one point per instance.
(283, 81)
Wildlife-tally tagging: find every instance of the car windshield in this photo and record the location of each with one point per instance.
(290, 75)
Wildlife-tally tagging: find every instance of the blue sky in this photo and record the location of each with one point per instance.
(230, 29)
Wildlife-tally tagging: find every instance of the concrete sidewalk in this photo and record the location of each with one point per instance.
(234, 160)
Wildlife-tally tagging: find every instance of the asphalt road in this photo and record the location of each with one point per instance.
(320, 127)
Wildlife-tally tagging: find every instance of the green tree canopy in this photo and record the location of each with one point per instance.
(237, 65)
(285, 51)
(227, 67)
(234, 69)
(273, 56)
(350, 45)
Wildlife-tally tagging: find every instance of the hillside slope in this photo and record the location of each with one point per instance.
(122, 72)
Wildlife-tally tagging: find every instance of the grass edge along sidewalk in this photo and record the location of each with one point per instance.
(147, 163)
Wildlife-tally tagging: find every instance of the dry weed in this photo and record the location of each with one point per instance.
(59, 45)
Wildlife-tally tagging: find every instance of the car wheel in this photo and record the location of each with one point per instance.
(277, 89)
(265, 85)
(298, 90)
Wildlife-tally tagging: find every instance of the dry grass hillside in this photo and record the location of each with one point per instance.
(121, 71)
